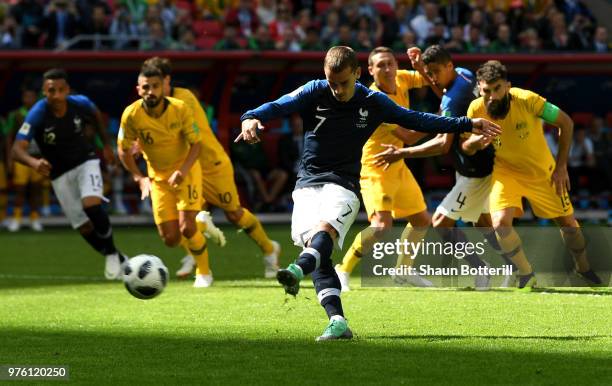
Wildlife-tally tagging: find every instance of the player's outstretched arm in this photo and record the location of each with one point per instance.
(435, 146)
(20, 154)
(474, 143)
(414, 54)
(431, 123)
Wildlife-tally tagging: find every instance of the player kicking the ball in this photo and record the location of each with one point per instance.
(339, 116)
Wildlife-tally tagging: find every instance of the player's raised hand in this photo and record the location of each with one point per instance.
(560, 179)
(144, 183)
(385, 158)
(43, 167)
(485, 128)
(176, 178)
(249, 131)
(414, 54)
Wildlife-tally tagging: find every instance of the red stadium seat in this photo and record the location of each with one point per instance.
(210, 28)
(206, 43)
(582, 119)
(609, 119)
(270, 145)
(383, 8)
(321, 6)
(184, 4)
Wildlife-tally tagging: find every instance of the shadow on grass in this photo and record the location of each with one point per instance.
(113, 359)
(431, 338)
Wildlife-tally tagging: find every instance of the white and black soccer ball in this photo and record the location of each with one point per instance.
(145, 276)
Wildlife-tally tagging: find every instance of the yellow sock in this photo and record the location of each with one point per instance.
(353, 255)
(17, 213)
(197, 248)
(253, 228)
(576, 244)
(185, 245)
(512, 248)
(34, 215)
(413, 236)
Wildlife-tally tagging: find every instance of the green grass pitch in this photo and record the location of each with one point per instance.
(55, 309)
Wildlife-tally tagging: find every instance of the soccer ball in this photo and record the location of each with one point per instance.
(145, 276)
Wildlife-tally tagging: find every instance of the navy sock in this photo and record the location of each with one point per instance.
(456, 235)
(320, 248)
(327, 285)
(102, 230)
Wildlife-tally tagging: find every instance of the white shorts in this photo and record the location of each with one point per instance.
(330, 203)
(468, 199)
(77, 183)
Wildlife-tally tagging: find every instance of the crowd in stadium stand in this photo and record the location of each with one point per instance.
(302, 25)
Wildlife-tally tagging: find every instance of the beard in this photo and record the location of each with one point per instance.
(499, 109)
(152, 102)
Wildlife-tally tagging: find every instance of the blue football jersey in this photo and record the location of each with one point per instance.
(455, 103)
(62, 140)
(335, 132)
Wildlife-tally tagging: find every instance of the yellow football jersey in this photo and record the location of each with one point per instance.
(212, 153)
(521, 148)
(404, 80)
(165, 141)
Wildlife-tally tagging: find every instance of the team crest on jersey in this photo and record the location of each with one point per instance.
(25, 129)
(78, 124)
(363, 117)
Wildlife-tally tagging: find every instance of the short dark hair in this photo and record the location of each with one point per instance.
(340, 57)
(378, 50)
(54, 74)
(436, 54)
(150, 71)
(491, 71)
(163, 64)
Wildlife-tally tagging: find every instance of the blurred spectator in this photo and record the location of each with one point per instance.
(529, 41)
(283, 21)
(601, 43)
(158, 39)
(312, 42)
(186, 40)
(571, 8)
(213, 9)
(438, 34)
(456, 44)
(10, 34)
(124, 29)
(455, 12)
(60, 24)
(601, 137)
(330, 30)
(476, 41)
(243, 15)
(136, 8)
(290, 149)
(408, 39)
(268, 181)
(363, 42)
(581, 33)
(29, 15)
(581, 162)
(266, 11)
(477, 21)
(503, 41)
(289, 42)
(99, 26)
(423, 24)
(304, 20)
(345, 36)
(261, 40)
(230, 40)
